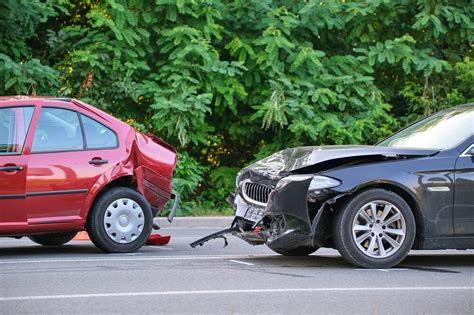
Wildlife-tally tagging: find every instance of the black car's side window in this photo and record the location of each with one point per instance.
(97, 135)
(14, 124)
(58, 130)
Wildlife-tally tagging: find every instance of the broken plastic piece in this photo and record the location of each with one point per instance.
(174, 207)
(158, 239)
(219, 234)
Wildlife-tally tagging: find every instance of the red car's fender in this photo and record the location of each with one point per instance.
(150, 161)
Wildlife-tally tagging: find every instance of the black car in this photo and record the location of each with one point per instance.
(414, 190)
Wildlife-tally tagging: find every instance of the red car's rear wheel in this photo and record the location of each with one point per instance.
(120, 221)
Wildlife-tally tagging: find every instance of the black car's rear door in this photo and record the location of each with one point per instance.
(464, 194)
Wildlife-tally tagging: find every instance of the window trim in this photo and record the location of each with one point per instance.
(27, 131)
(84, 140)
(99, 148)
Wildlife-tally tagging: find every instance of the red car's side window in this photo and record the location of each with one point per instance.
(14, 125)
(97, 135)
(57, 130)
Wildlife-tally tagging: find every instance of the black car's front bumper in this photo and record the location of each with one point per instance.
(291, 218)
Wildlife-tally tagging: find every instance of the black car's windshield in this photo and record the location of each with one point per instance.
(441, 131)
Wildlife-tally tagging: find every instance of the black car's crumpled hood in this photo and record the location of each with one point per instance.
(294, 159)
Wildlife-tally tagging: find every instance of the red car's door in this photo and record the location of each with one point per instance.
(14, 124)
(64, 164)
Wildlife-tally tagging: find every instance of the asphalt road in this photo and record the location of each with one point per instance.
(238, 279)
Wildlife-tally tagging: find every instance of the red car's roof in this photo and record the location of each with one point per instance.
(69, 100)
(28, 97)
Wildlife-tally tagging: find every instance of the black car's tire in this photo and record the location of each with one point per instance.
(53, 239)
(370, 242)
(298, 251)
(120, 221)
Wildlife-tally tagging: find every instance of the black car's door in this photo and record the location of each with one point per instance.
(464, 194)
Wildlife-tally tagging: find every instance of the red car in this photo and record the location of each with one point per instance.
(66, 166)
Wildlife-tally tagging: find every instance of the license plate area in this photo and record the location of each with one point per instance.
(254, 213)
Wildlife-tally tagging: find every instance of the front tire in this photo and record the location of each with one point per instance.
(376, 229)
(120, 221)
(295, 252)
(53, 239)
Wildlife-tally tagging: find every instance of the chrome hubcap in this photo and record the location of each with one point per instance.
(124, 220)
(379, 229)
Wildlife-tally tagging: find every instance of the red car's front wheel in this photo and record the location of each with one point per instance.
(53, 239)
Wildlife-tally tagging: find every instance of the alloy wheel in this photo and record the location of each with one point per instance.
(379, 229)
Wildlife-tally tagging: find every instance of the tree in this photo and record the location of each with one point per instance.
(231, 81)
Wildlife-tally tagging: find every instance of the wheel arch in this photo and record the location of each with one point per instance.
(122, 181)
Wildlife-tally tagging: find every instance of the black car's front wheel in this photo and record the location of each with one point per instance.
(120, 221)
(376, 229)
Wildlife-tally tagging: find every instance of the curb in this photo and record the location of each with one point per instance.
(194, 222)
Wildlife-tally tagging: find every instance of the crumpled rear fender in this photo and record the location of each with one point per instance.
(154, 162)
(155, 188)
(150, 162)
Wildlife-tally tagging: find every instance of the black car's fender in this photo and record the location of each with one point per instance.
(413, 179)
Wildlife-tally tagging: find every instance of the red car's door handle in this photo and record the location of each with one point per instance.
(11, 168)
(98, 161)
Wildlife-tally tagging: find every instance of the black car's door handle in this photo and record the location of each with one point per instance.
(12, 168)
(98, 161)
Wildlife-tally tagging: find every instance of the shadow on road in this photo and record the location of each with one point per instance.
(42, 251)
(437, 262)
(441, 263)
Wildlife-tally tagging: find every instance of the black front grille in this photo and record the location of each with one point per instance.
(256, 192)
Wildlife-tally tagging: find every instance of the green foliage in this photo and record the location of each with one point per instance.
(440, 91)
(221, 181)
(228, 82)
(28, 77)
(189, 176)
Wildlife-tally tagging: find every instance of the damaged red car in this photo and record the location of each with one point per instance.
(66, 166)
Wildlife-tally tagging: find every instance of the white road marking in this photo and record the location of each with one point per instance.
(242, 262)
(160, 247)
(133, 258)
(244, 291)
(383, 270)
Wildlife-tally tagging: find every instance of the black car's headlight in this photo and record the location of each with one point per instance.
(323, 182)
(317, 184)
